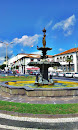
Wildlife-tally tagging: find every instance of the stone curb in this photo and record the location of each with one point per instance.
(38, 115)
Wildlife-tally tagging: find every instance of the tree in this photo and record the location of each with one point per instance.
(7, 58)
(2, 66)
(69, 59)
(17, 67)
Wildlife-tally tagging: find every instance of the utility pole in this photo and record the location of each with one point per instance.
(6, 53)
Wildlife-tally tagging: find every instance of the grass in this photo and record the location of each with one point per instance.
(39, 108)
(36, 108)
(13, 78)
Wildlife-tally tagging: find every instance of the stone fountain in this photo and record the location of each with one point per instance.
(47, 89)
(43, 64)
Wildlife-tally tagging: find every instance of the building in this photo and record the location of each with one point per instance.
(62, 58)
(21, 61)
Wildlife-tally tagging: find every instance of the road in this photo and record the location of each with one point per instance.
(64, 78)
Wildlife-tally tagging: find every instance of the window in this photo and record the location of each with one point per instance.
(60, 59)
(71, 58)
(57, 59)
(64, 58)
(31, 59)
(67, 58)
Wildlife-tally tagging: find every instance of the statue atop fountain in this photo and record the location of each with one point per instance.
(44, 41)
(44, 64)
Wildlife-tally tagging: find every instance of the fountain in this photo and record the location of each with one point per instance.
(44, 64)
(42, 87)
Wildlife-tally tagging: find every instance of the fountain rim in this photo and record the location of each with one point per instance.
(4, 84)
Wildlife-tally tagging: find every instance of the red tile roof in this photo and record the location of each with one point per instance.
(68, 51)
(33, 55)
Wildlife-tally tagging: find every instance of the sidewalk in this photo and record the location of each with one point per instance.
(37, 100)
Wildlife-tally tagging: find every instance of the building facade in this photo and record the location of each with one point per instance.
(21, 61)
(62, 58)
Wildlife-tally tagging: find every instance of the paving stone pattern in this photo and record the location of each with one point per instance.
(37, 100)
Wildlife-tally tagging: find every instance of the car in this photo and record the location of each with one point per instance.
(54, 74)
(9, 71)
(75, 75)
(70, 75)
(61, 74)
(31, 73)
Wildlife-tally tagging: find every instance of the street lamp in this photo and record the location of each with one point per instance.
(6, 51)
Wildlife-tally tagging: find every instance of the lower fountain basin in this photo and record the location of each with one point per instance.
(29, 89)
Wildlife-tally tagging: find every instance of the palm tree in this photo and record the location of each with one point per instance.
(69, 59)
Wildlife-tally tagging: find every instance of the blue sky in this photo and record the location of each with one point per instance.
(22, 21)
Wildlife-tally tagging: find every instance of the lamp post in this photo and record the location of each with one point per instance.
(6, 52)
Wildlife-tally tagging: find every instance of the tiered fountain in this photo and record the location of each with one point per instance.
(44, 87)
(43, 64)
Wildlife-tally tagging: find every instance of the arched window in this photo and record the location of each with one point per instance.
(64, 58)
(60, 59)
(71, 57)
(67, 58)
(57, 59)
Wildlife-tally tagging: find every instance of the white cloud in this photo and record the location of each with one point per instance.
(27, 40)
(69, 32)
(2, 58)
(3, 53)
(22, 50)
(66, 25)
(24, 40)
(1, 45)
(60, 49)
(49, 24)
(37, 52)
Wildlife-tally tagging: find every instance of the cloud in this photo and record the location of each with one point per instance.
(49, 24)
(60, 49)
(2, 60)
(66, 25)
(22, 50)
(69, 32)
(27, 40)
(3, 53)
(1, 45)
(37, 52)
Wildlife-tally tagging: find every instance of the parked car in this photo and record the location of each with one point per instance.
(75, 75)
(9, 71)
(31, 73)
(70, 75)
(54, 74)
(61, 74)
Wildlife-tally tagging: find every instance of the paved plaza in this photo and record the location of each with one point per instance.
(37, 100)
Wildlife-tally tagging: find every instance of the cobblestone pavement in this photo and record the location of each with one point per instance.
(37, 100)
(26, 123)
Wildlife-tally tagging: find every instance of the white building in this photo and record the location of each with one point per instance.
(61, 58)
(21, 61)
